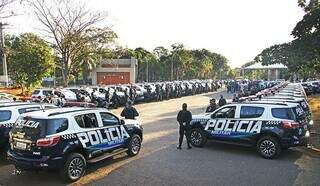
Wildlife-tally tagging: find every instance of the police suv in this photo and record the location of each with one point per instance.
(269, 127)
(66, 139)
(9, 113)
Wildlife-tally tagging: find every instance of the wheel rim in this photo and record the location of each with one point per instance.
(196, 137)
(135, 145)
(267, 148)
(76, 168)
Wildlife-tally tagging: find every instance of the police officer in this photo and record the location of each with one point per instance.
(212, 107)
(222, 101)
(107, 95)
(129, 112)
(184, 118)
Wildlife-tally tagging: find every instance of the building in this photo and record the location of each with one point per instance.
(115, 71)
(273, 70)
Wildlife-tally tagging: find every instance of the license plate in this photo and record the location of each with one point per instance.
(22, 146)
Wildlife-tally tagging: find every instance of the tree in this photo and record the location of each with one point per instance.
(29, 60)
(66, 23)
(4, 12)
(302, 55)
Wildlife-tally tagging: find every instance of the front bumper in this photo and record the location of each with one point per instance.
(26, 163)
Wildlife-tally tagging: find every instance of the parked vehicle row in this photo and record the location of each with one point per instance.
(274, 120)
(118, 95)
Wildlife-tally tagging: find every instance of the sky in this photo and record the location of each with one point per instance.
(237, 29)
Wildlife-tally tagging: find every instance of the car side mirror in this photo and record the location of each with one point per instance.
(122, 122)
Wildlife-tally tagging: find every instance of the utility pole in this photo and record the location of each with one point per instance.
(3, 55)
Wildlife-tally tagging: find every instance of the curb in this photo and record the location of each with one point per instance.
(314, 149)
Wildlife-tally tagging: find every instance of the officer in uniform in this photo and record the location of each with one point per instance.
(212, 107)
(129, 112)
(184, 118)
(222, 101)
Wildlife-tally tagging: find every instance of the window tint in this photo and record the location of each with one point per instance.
(56, 125)
(108, 119)
(87, 120)
(5, 115)
(47, 92)
(227, 112)
(36, 92)
(41, 127)
(283, 113)
(29, 109)
(251, 112)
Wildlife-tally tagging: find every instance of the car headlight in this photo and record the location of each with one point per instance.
(311, 122)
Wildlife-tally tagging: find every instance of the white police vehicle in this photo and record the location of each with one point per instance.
(269, 127)
(9, 113)
(66, 139)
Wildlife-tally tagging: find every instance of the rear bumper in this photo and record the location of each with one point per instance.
(296, 141)
(44, 163)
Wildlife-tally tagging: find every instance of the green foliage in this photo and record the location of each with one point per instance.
(29, 60)
(302, 55)
(176, 64)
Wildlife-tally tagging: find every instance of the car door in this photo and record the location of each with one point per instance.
(116, 134)
(88, 133)
(219, 127)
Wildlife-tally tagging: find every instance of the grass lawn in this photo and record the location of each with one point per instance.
(314, 102)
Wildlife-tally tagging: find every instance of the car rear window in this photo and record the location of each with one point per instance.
(283, 113)
(251, 112)
(37, 128)
(5, 115)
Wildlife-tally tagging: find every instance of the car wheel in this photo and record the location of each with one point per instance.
(74, 167)
(268, 147)
(197, 137)
(134, 145)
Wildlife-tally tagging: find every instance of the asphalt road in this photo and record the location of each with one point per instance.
(160, 163)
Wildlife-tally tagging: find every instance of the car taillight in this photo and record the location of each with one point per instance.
(290, 125)
(48, 142)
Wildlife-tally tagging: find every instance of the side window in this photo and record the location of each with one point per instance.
(47, 92)
(108, 119)
(29, 109)
(227, 112)
(251, 112)
(87, 120)
(56, 125)
(5, 115)
(283, 113)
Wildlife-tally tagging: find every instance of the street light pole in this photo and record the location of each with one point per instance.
(4, 61)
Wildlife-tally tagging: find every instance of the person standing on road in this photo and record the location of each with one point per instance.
(212, 107)
(222, 101)
(129, 112)
(184, 118)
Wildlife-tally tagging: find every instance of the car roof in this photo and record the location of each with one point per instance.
(58, 112)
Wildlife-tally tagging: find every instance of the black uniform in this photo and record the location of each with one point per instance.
(222, 102)
(184, 118)
(129, 113)
(211, 108)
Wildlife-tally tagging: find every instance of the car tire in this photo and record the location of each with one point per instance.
(134, 145)
(268, 147)
(74, 167)
(197, 137)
